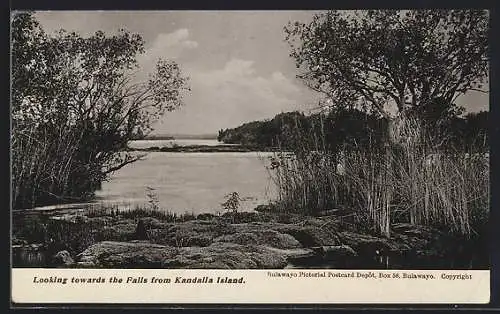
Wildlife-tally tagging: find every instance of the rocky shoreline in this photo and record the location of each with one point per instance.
(246, 240)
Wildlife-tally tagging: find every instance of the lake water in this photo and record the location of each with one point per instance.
(186, 182)
(191, 182)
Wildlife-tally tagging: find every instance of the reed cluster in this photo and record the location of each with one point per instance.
(411, 179)
(138, 212)
(60, 162)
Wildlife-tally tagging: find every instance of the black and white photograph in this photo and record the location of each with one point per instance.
(238, 140)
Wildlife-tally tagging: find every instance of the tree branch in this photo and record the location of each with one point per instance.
(123, 164)
(479, 90)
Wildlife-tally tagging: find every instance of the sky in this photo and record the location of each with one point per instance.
(237, 62)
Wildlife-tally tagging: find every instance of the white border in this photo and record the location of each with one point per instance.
(260, 286)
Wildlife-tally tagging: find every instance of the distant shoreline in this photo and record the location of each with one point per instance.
(178, 137)
(223, 148)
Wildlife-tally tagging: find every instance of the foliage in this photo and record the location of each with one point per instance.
(232, 202)
(75, 105)
(153, 200)
(408, 58)
(341, 128)
(474, 130)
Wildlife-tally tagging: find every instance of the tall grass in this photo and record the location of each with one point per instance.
(41, 164)
(55, 162)
(138, 212)
(411, 179)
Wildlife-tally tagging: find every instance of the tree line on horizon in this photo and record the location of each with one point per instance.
(354, 127)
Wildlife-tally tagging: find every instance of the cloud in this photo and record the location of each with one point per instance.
(238, 79)
(179, 38)
(232, 95)
(168, 46)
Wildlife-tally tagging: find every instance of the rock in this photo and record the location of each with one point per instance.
(246, 217)
(311, 236)
(368, 245)
(270, 238)
(152, 223)
(266, 208)
(62, 258)
(308, 233)
(243, 238)
(140, 231)
(221, 255)
(206, 216)
(338, 256)
(256, 226)
(133, 254)
(312, 232)
(194, 232)
(418, 237)
(201, 240)
(336, 251)
(404, 238)
(120, 230)
(148, 227)
(288, 218)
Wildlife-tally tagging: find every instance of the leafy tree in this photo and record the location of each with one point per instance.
(75, 104)
(407, 59)
(476, 132)
(355, 129)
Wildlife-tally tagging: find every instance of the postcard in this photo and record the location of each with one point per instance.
(250, 157)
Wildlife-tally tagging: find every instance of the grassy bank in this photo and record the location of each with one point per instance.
(76, 229)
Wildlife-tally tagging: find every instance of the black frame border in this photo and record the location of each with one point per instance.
(34, 5)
